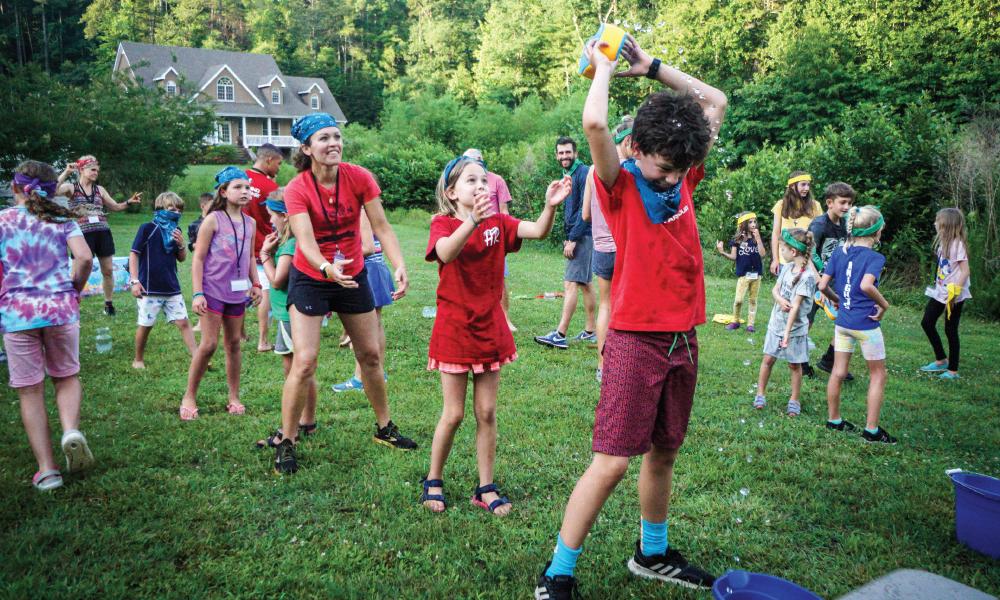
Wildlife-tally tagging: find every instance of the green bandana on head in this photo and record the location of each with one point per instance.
(867, 231)
(572, 168)
(786, 235)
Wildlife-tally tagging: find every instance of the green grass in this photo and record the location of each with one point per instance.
(184, 510)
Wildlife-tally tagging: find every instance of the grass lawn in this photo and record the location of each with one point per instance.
(185, 510)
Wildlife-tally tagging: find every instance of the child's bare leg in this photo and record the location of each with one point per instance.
(36, 425)
(263, 310)
(765, 374)
(796, 380)
(484, 400)
(453, 388)
(603, 317)
(210, 325)
(876, 392)
(568, 307)
(841, 360)
(231, 328)
(187, 334)
(589, 496)
(141, 337)
(69, 394)
(655, 478)
(589, 305)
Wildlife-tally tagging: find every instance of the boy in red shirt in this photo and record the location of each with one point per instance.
(658, 294)
(261, 174)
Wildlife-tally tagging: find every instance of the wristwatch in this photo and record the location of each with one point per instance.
(654, 68)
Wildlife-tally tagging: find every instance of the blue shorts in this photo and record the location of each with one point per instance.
(380, 281)
(603, 264)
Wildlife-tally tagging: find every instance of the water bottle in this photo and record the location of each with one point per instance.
(103, 340)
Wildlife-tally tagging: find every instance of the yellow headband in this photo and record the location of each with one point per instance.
(745, 218)
(799, 178)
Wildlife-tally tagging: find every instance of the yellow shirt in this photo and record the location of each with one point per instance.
(799, 223)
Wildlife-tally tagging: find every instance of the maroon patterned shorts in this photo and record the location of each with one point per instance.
(647, 391)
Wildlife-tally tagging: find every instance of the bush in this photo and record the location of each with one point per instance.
(222, 154)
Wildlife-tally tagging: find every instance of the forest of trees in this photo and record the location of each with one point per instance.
(898, 97)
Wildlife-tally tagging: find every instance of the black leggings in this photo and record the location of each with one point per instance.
(931, 315)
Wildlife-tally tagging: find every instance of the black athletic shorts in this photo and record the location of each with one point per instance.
(101, 243)
(317, 298)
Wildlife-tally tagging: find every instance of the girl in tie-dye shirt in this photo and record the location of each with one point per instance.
(39, 314)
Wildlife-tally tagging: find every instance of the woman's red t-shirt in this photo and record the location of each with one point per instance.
(336, 222)
(470, 327)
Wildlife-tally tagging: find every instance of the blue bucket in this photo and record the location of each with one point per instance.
(744, 585)
(977, 511)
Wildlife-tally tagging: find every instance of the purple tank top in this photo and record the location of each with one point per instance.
(228, 258)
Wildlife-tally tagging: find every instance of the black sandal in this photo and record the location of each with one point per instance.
(477, 498)
(273, 440)
(307, 428)
(424, 496)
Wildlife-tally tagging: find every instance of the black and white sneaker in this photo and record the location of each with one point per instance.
(842, 426)
(670, 567)
(284, 458)
(880, 436)
(109, 309)
(560, 587)
(390, 436)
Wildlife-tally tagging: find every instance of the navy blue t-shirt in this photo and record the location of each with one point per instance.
(157, 267)
(747, 257)
(575, 227)
(847, 268)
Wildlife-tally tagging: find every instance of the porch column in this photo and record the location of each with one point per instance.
(269, 129)
(244, 140)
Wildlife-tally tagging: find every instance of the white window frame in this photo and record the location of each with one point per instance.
(314, 102)
(275, 96)
(225, 90)
(170, 87)
(225, 132)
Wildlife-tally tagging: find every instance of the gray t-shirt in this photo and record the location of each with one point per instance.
(806, 287)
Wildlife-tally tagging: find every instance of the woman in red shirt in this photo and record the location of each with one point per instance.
(324, 204)
(469, 240)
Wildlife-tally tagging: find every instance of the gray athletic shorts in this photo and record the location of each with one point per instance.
(578, 268)
(283, 338)
(797, 351)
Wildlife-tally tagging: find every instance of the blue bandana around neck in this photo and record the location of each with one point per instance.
(310, 124)
(167, 222)
(660, 206)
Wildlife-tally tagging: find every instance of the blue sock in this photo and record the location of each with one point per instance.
(654, 537)
(872, 431)
(835, 421)
(563, 559)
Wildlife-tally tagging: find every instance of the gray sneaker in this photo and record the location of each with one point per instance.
(585, 336)
(553, 339)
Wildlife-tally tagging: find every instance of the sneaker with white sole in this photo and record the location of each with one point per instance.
(560, 587)
(671, 567)
(78, 455)
(585, 336)
(553, 339)
(351, 385)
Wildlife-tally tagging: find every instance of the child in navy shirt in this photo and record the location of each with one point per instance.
(152, 266)
(746, 249)
(850, 279)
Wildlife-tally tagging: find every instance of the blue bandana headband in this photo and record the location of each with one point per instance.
(453, 162)
(660, 206)
(228, 174)
(277, 206)
(167, 221)
(310, 124)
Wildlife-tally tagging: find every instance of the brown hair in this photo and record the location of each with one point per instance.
(300, 160)
(743, 229)
(839, 189)
(625, 149)
(951, 229)
(446, 205)
(40, 206)
(793, 206)
(219, 200)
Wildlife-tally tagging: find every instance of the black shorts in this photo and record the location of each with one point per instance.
(101, 243)
(317, 298)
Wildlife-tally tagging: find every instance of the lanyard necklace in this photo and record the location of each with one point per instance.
(92, 197)
(240, 241)
(335, 200)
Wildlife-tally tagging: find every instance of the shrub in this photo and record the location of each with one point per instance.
(222, 154)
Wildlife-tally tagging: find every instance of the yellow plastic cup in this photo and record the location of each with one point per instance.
(614, 36)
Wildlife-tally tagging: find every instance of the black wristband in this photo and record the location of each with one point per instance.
(654, 68)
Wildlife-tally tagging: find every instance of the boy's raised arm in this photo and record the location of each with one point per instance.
(595, 116)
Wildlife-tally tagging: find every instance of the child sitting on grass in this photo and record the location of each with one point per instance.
(152, 267)
(788, 330)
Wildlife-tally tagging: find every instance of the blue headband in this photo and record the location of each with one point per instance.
(451, 165)
(310, 124)
(277, 206)
(228, 174)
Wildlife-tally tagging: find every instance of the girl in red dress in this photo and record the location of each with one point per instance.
(469, 240)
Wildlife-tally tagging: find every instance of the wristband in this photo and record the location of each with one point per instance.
(322, 269)
(654, 68)
(133, 282)
(196, 294)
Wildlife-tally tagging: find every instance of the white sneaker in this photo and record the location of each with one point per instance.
(78, 455)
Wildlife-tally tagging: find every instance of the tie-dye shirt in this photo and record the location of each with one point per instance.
(37, 286)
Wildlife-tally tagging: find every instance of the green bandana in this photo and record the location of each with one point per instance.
(794, 243)
(621, 136)
(868, 230)
(572, 168)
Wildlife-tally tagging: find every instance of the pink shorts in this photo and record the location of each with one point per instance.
(647, 391)
(458, 368)
(34, 352)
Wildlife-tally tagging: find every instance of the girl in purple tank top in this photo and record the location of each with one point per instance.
(224, 280)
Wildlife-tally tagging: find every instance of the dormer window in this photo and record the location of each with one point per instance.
(171, 88)
(314, 102)
(224, 89)
(275, 96)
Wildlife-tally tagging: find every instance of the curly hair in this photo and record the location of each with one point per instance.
(40, 206)
(673, 126)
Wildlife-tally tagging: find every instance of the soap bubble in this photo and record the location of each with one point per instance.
(739, 521)
(746, 363)
(749, 459)
(744, 492)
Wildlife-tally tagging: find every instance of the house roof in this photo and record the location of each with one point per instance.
(197, 68)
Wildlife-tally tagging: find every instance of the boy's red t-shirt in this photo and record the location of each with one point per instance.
(261, 187)
(470, 327)
(336, 222)
(659, 282)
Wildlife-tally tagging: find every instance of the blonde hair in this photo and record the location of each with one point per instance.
(168, 200)
(625, 150)
(861, 218)
(805, 237)
(446, 205)
(951, 229)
